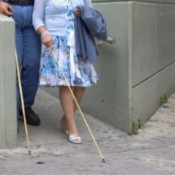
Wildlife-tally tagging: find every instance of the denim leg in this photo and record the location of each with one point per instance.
(31, 62)
(28, 51)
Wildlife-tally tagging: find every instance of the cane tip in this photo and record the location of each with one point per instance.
(103, 160)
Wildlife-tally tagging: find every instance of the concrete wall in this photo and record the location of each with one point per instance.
(139, 68)
(153, 57)
(8, 120)
(157, 1)
(109, 100)
(136, 71)
(147, 1)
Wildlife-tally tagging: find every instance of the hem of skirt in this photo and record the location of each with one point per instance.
(43, 85)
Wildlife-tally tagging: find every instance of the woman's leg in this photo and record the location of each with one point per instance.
(67, 103)
(78, 93)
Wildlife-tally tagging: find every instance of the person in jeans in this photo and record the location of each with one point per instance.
(28, 51)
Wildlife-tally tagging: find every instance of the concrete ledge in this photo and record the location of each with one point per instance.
(139, 68)
(143, 1)
(146, 96)
(8, 118)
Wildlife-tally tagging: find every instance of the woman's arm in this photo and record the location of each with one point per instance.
(38, 14)
(38, 22)
(77, 11)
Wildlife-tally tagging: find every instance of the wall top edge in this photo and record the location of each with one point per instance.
(5, 18)
(148, 1)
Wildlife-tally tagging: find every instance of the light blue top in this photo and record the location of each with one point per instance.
(54, 14)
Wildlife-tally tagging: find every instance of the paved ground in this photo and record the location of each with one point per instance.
(152, 152)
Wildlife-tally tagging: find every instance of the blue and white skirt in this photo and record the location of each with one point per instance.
(61, 67)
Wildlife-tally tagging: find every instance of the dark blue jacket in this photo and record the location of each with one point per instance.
(90, 24)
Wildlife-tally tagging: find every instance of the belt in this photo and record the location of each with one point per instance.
(21, 2)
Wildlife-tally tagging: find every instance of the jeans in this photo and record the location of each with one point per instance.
(28, 48)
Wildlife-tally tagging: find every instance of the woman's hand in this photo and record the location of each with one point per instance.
(77, 11)
(46, 39)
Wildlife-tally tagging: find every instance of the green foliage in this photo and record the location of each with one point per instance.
(134, 127)
(136, 124)
(140, 123)
(164, 98)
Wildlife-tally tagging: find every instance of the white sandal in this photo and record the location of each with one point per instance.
(74, 139)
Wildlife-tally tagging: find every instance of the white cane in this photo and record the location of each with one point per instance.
(22, 103)
(78, 107)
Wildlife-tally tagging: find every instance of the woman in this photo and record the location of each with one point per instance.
(54, 21)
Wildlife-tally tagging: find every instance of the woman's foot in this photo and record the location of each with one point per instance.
(73, 136)
(74, 139)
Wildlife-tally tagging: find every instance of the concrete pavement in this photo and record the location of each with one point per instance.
(151, 152)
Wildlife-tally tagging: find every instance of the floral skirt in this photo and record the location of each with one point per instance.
(61, 67)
